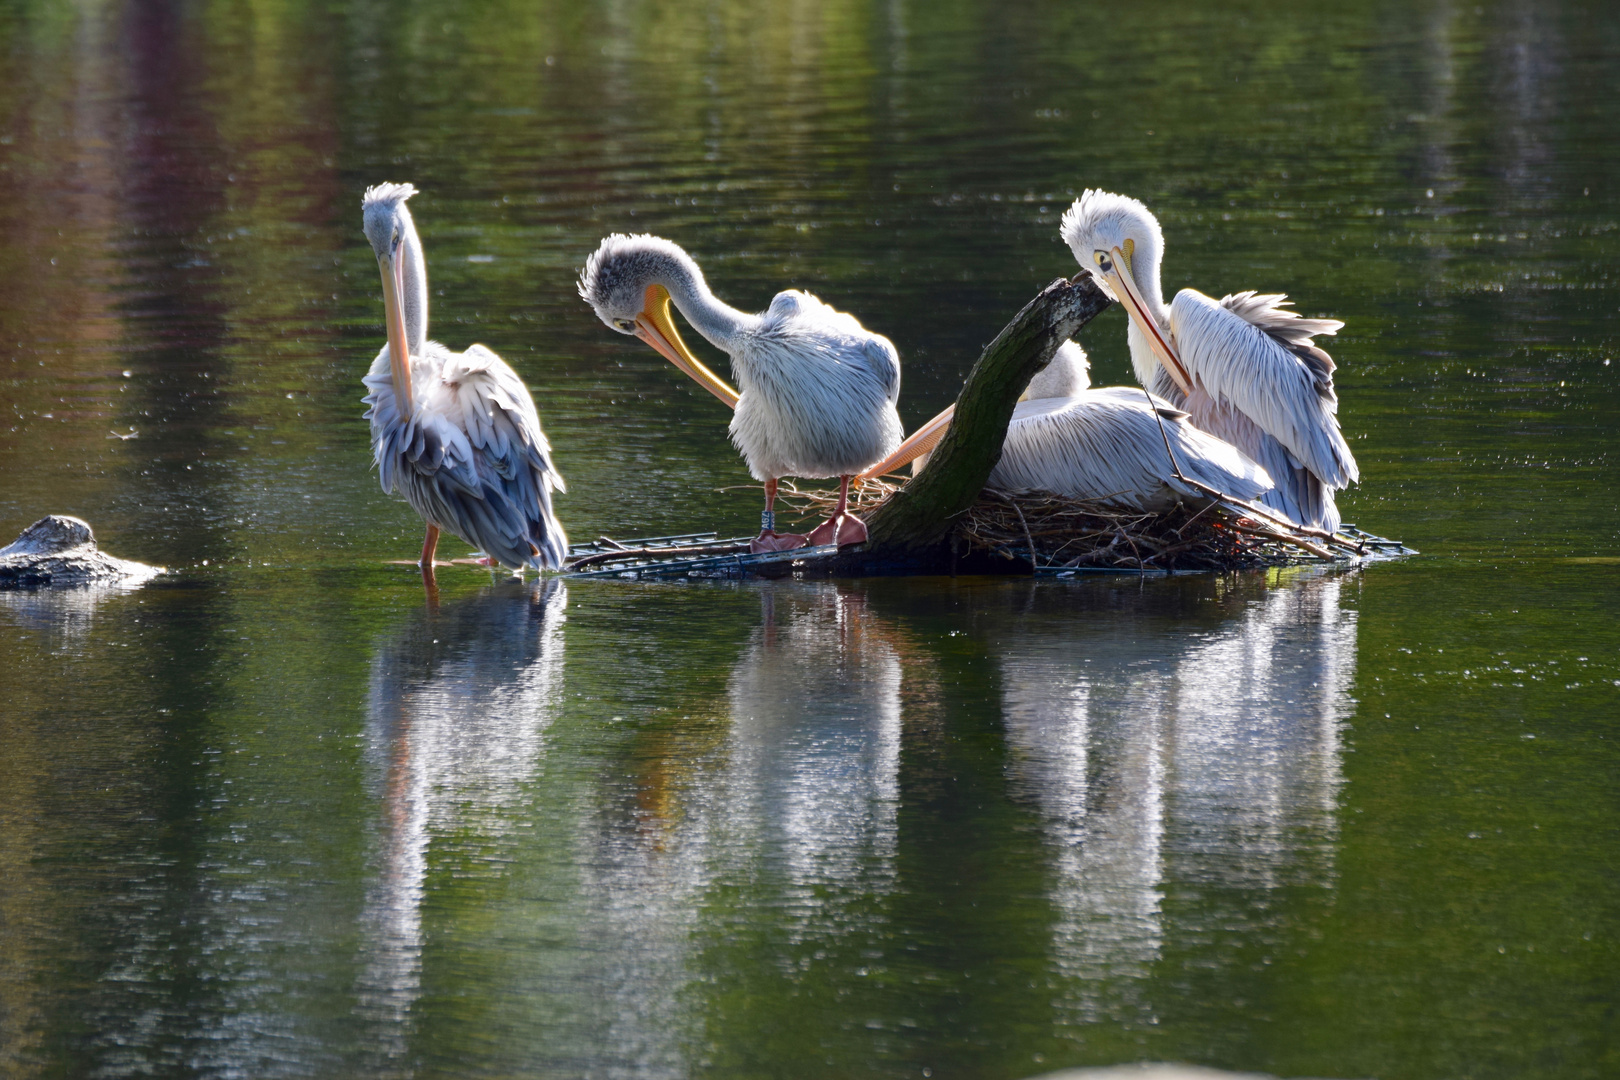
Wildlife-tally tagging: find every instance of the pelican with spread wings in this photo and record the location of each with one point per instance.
(456, 433)
(1244, 367)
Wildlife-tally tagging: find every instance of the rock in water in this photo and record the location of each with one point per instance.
(60, 551)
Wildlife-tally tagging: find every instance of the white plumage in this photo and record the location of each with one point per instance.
(1108, 445)
(466, 451)
(816, 390)
(1244, 367)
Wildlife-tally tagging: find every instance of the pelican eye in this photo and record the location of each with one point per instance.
(627, 325)
(1104, 262)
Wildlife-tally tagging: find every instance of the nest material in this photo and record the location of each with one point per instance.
(1064, 533)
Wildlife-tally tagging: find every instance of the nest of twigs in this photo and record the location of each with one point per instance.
(1054, 533)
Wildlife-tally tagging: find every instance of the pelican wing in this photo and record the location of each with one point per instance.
(1108, 444)
(1298, 494)
(473, 458)
(1249, 354)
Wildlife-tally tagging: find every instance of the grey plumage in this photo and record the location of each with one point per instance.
(467, 452)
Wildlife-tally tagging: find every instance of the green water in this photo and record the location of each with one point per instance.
(278, 814)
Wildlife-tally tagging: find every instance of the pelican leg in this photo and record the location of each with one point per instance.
(843, 527)
(769, 539)
(430, 544)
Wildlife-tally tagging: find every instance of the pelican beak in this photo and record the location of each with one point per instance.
(1124, 288)
(656, 327)
(399, 357)
(922, 441)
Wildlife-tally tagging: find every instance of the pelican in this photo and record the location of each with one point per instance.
(462, 442)
(1106, 444)
(818, 390)
(1244, 366)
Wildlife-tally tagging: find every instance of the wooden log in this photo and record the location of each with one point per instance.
(908, 533)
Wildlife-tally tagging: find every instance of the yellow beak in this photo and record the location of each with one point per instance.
(1124, 287)
(399, 357)
(922, 441)
(656, 327)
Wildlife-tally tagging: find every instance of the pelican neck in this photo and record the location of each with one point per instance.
(722, 325)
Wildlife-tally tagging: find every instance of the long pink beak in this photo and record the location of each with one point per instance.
(922, 441)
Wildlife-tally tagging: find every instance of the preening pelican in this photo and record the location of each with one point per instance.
(818, 390)
(455, 433)
(1104, 444)
(1243, 366)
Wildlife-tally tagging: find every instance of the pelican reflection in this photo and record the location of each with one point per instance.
(783, 802)
(459, 702)
(1158, 754)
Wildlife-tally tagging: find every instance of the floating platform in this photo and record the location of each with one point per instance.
(706, 555)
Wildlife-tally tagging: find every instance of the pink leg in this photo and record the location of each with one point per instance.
(430, 544)
(769, 539)
(843, 527)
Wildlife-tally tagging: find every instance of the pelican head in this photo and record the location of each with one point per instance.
(1066, 375)
(1119, 242)
(627, 282)
(392, 233)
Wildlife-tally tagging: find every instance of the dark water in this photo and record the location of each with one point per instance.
(277, 815)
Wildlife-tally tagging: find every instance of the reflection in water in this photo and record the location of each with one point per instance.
(814, 754)
(459, 703)
(62, 617)
(1209, 760)
(781, 829)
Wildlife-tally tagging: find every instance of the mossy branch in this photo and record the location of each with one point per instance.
(920, 515)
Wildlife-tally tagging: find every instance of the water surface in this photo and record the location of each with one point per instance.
(281, 814)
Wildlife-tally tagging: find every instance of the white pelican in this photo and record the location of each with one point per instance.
(1105, 444)
(1244, 366)
(462, 443)
(818, 389)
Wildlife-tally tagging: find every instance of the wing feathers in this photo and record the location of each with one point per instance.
(1251, 355)
(1107, 444)
(473, 459)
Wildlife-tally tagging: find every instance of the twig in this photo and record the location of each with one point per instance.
(636, 553)
(1028, 539)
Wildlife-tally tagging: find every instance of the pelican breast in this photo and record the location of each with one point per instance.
(818, 392)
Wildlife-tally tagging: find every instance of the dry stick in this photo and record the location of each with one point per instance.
(1319, 552)
(1028, 539)
(636, 553)
(1255, 510)
(1175, 466)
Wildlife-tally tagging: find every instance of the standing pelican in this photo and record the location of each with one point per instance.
(455, 433)
(818, 389)
(1244, 367)
(1104, 444)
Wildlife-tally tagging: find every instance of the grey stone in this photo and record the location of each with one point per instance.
(58, 551)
